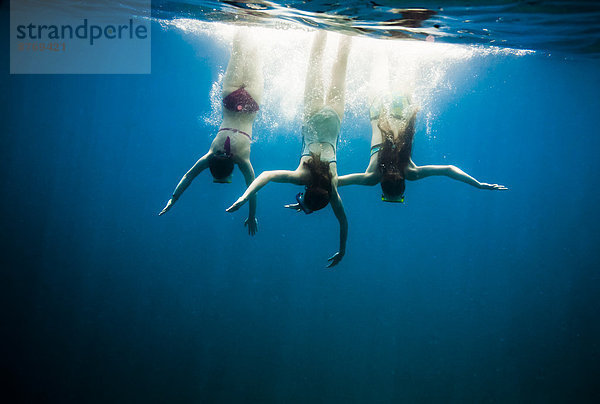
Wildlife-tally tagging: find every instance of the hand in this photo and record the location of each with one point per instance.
(498, 187)
(238, 204)
(335, 259)
(295, 206)
(252, 225)
(166, 208)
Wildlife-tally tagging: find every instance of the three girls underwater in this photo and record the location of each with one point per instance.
(392, 117)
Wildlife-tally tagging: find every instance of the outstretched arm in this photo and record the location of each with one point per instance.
(340, 214)
(186, 180)
(262, 180)
(367, 178)
(414, 173)
(251, 222)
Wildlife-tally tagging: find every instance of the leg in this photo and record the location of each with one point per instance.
(253, 67)
(335, 97)
(313, 87)
(379, 83)
(378, 92)
(244, 67)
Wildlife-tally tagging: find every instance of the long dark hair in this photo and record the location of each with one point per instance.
(394, 156)
(318, 190)
(221, 163)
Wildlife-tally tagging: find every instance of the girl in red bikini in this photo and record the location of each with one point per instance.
(242, 93)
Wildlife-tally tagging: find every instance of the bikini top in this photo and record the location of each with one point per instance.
(240, 101)
(397, 106)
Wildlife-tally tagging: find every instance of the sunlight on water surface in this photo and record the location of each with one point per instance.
(417, 68)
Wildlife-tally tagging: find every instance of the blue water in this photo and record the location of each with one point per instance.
(459, 295)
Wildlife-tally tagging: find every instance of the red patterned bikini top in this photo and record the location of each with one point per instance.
(240, 101)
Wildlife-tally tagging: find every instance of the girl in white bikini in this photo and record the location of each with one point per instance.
(320, 131)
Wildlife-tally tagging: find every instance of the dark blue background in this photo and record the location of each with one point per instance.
(459, 295)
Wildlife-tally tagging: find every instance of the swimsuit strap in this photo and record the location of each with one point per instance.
(376, 148)
(236, 131)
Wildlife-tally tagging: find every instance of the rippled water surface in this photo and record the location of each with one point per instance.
(564, 26)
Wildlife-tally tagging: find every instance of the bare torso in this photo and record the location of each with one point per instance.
(237, 126)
